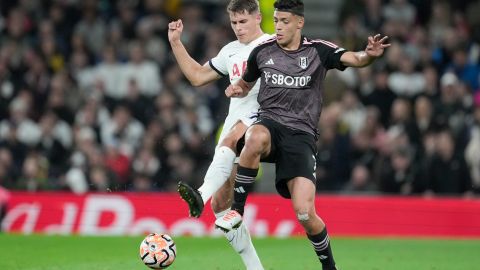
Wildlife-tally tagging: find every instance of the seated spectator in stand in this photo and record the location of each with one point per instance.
(360, 181)
(333, 150)
(406, 82)
(55, 142)
(464, 68)
(76, 181)
(400, 175)
(8, 170)
(448, 172)
(107, 74)
(472, 151)
(382, 96)
(354, 113)
(101, 180)
(145, 72)
(34, 175)
(422, 122)
(19, 127)
(117, 162)
(448, 110)
(122, 129)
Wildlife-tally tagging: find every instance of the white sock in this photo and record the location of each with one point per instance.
(241, 242)
(218, 172)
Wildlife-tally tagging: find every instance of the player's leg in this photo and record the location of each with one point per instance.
(257, 145)
(296, 180)
(222, 198)
(302, 192)
(239, 239)
(218, 172)
(221, 167)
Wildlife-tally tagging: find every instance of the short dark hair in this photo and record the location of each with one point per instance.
(294, 6)
(239, 6)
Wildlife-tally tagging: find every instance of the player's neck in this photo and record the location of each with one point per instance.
(294, 45)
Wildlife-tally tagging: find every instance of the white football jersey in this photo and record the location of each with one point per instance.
(231, 61)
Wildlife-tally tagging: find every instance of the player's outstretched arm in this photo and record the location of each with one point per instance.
(375, 48)
(197, 74)
(240, 89)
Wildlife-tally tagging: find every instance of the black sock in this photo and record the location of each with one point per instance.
(321, 245)
(244, 182)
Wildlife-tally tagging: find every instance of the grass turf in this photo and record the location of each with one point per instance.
(37, 252)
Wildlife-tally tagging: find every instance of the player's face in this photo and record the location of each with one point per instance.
(287, 25)
(245, 25)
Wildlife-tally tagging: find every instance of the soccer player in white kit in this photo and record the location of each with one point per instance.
(245, 19)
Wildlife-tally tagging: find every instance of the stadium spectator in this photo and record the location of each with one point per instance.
(107, 74)
(19, 127)
(34, 175)
(102, 180)
(472, 151)
(465, 70)
(399, 176)
(333, 151)
(360, 181)
(381, 97)
(353, 112)
(141, 70)
(448, 172)
(7, 168)
(423, 120)
(123, 131)
(406, 82)
(55, 142)
(91, 27)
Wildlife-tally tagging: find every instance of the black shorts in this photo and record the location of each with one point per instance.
(292, 151)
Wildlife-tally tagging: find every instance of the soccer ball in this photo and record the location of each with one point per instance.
(158, 251)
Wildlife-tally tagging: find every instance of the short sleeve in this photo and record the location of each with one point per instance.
(219, 63)
(253, 72)
(330, 54)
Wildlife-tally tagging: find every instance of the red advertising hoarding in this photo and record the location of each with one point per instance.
(265, 215)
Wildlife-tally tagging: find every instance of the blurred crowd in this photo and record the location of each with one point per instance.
(91, 98)
(410, 123)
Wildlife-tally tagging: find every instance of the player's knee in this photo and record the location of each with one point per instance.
(302, 216)
(257, 141)
(230, 142)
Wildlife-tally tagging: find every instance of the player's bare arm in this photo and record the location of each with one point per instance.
(240, 89)
(197, 74)
(375, 48)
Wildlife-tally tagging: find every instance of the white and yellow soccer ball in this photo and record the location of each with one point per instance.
(158, 251)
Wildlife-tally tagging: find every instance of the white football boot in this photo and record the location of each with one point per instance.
(229, 221)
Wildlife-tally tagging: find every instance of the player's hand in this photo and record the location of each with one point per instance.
(376, 45)
(234, 90)
(175, 29)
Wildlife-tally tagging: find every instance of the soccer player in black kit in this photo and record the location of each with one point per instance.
(292, 69)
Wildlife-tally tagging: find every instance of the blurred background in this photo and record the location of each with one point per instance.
(91, 98)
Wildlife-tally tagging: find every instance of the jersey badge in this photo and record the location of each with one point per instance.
(303, 63)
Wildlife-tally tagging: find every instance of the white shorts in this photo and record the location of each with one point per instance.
(247, 118)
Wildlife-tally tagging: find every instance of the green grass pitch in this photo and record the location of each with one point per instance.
(114, 253)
